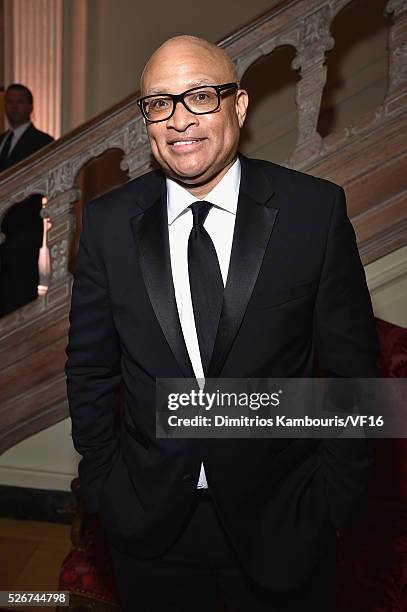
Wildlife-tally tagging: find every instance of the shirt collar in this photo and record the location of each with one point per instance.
(224, 195)
(19, 131)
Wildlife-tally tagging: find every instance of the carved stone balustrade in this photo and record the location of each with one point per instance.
(369, 159)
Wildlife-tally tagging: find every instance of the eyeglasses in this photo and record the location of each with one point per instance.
(198, 100)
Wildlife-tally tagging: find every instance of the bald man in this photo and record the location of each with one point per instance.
(214, 266)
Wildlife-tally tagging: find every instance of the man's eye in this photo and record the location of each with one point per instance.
(158, 104)
(201, 97)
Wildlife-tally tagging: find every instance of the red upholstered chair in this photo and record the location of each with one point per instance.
(87, 571)
(372, 559)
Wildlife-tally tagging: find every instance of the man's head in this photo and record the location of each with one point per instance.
(18, 102)
(210, 140)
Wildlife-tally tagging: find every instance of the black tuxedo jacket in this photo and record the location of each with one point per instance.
(22, 224)
(31, 141)
(295, 289)
(23, 228)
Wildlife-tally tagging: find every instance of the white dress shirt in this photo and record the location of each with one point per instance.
(219, 224)
(17, 133)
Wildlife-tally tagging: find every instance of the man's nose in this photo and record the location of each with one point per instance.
(182, 118)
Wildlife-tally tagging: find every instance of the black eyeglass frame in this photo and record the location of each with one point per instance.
(180, 98)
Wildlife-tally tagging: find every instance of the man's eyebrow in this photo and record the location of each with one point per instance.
(165, 90)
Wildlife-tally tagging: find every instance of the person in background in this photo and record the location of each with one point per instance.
(22, 224)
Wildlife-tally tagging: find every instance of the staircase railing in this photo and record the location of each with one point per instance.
(33, 339)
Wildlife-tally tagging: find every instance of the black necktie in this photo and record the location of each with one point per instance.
(4, 161)
(205, 280)
(7, 144)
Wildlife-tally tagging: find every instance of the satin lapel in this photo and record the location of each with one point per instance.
(253, 226)
(150, 230)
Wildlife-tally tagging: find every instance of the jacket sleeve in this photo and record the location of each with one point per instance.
(347, 346)
(93, 368)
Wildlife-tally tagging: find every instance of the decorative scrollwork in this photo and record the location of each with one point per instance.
(396, 6)
(59, 259)
(316, 38)
(316, 27)
(397, 47)
(399, 65)
(60, 179)
(61, 204)
(136, 135)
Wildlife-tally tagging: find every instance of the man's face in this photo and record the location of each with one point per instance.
(194, 149)
(17, 106)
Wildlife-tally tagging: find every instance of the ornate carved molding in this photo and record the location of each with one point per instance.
(59, 238)
(60, 179)
(397, 54)
(337, 140)
(315, 38)
(397, 7)
(137, 157)
(244, 61)
(315, 42)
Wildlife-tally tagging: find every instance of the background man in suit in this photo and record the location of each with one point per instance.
(214, 266)
(22, 225)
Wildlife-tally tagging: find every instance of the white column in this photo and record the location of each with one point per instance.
(33, 53)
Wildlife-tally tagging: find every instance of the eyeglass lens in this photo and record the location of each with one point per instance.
(200, 101)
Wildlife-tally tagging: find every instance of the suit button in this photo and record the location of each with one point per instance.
(187, 478)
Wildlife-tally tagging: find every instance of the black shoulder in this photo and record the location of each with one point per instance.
(137, 194)
(41, 137)
(295, 181)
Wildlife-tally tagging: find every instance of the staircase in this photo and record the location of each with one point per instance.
(369, 159)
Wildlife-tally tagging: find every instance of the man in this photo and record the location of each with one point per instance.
(22, 225)
(251, 522)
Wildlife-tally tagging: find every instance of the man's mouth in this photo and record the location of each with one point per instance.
(185, 143)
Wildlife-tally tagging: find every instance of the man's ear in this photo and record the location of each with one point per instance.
(241, 103)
